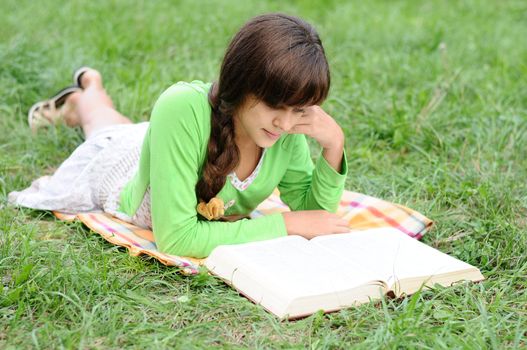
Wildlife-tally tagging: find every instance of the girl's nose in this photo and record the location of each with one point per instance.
(285, 121)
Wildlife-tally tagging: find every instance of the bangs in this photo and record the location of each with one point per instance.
(298, 79)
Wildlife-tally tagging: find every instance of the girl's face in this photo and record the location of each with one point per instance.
(257, 122)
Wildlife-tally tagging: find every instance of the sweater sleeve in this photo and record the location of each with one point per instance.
(309, 187)
(176, 148)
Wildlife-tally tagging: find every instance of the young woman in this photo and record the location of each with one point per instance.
(211, 152)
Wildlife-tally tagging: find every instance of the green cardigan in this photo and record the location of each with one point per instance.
(173, 153)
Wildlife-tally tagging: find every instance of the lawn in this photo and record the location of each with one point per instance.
(433, 100)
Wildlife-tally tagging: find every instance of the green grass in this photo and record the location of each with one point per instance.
(433, 100)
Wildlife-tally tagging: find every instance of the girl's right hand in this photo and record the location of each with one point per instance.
(312, 223)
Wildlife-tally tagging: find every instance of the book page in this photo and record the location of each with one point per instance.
(391, 253)
(294, 265)
(276, 272)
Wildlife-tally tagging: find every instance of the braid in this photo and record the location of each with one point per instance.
(222, 152)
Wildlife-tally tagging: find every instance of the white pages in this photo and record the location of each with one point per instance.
(294, 277)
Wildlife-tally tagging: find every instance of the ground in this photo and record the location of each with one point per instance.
(431, 95)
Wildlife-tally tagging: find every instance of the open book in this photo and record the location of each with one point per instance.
(294, 277)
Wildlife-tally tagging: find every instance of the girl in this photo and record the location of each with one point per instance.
(211, 152)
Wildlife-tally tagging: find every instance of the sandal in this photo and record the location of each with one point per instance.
(77, 75)
(49, 112)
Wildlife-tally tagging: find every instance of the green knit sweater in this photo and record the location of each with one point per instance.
(173, 153)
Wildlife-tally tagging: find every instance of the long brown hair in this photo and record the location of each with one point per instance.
(276, 58)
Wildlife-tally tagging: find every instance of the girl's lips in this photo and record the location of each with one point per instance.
(271, 135)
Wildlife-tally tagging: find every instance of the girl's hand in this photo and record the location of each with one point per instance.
(316, 123)
(312, 223)
(319, 125)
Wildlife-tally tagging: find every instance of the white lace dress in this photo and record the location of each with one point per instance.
(92, 178)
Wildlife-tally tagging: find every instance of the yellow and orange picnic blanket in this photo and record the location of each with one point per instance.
(363, 212)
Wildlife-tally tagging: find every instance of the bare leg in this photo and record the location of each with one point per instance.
(92, 109)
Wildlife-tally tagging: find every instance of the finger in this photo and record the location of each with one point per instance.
(307, 117)
(305, 120)
(342, 222)
(301, 129)
(311, 110)
(341, 229)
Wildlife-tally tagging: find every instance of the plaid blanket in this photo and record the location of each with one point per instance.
(362, 211)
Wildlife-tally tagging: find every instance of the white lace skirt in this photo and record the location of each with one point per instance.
(92, 178)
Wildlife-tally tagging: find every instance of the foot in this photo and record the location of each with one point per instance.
(54, 110)
(90, 77)
(70, 115)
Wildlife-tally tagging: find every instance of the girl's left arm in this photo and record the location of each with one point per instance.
(304, 187)
(308, 186)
